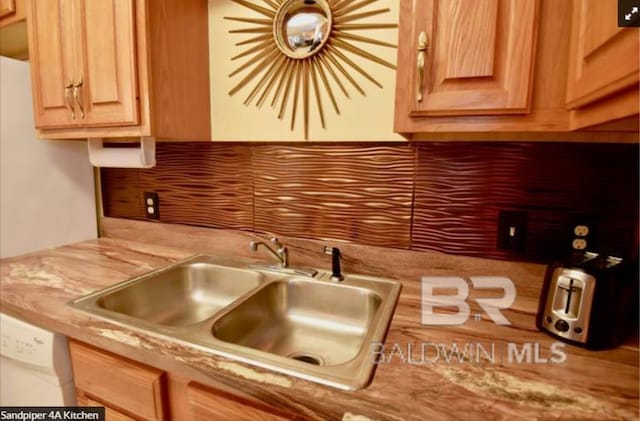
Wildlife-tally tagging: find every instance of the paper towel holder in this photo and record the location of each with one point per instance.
(117, 157)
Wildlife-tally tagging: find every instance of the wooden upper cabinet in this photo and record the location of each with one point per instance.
(7, 7)
(604, 57)
(83, 63)
(120, 68)
(478, 56)
(482, 69)
(515, 70)
(11, 11)
(108, 60)
(604, 68)
(52, 62)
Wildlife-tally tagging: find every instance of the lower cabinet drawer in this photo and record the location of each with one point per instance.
(208, 404)
(110, 414)
(117, 382)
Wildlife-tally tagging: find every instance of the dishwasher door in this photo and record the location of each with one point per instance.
(35, 369)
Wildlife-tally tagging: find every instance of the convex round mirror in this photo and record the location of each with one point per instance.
(302, 27)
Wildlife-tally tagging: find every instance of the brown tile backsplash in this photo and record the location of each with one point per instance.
(426, 196)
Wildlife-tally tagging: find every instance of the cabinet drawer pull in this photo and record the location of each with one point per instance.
(67, 98)
(77, 96)
(423, 43)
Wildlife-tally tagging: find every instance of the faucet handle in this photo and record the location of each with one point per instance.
(277, 243)
(330, 250)
(336, 270)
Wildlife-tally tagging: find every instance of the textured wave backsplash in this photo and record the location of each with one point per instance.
(461, 189)
(202, 186)
(427, 196)
(332, 192)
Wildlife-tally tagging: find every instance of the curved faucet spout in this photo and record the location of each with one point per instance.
(280, 252)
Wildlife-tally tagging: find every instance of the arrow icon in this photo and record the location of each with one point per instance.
(629, 13)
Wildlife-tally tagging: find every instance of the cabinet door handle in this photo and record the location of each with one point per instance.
(423, 43)
(67, 98)
(77, 96)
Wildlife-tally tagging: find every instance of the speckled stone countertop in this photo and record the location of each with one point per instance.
(587, 385)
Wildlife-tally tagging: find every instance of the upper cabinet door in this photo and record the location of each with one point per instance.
(12, 11)
(473, 57)
(7, 7)
(83, 63)
(51, 29)
(107, 86)
(604, 58)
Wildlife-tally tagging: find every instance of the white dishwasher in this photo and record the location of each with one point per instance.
(35, 369)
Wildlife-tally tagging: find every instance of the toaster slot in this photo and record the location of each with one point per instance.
(568, 297)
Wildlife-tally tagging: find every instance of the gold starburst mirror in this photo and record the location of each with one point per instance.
(302, 27)
(298, 47)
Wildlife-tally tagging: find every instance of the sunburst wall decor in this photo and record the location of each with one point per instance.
(298, 47)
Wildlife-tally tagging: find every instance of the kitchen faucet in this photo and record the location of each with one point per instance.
(281, 253)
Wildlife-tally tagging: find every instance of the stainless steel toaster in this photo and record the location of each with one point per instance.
(588, 300)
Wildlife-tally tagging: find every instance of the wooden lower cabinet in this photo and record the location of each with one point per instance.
(132, 391)
(111, 414)
(125, 385)
(204, 403)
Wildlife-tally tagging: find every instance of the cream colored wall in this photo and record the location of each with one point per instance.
(366, 118)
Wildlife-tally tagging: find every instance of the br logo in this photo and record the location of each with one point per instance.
(458, 303)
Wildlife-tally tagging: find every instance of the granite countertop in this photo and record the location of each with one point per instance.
(587, 385)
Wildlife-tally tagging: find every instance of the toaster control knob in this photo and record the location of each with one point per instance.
(561, 326)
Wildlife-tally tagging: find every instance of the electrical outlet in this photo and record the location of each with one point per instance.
(151, 205)
(581, 230)
(512, 227)
(579, 244)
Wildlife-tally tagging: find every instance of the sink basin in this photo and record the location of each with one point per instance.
(183, 295)
(304, 320)
(308, 327)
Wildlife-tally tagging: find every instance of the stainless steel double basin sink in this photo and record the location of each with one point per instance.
(308, 327)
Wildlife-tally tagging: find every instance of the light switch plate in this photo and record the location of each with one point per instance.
(512, 230)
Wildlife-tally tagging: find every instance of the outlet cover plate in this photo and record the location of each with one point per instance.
(151, 205)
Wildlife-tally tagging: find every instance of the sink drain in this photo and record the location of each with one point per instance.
(307, 358)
